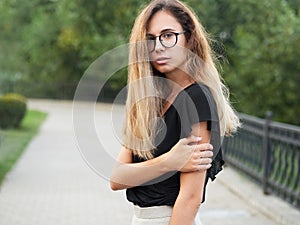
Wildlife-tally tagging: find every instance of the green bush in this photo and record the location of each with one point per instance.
(12, 110)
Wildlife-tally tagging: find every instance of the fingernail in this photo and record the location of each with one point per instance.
(198, 138)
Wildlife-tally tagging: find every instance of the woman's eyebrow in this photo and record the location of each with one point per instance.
(162, 31)
(166, 30)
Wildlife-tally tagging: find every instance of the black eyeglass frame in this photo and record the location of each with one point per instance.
(153, 38)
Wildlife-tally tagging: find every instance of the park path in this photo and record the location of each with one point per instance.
(52, 184)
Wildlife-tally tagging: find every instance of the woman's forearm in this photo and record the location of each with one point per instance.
(186, 156)
(126, 175)
(189, 199)
(184, 212)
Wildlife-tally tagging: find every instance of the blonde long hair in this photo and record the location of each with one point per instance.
(144, 100)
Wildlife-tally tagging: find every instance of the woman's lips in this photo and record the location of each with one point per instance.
(162, 60)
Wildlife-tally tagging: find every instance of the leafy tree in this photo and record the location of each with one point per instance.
(294, 5)
(261, 41)
(47, 43)
(261, 49)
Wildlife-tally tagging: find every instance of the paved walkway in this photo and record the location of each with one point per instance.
(53, 185)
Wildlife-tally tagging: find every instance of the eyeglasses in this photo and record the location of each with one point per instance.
(167, 40)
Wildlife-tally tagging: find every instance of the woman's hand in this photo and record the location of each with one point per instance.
(189, 155)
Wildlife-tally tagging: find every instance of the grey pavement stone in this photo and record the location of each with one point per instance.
(271, 206)
(52, 183)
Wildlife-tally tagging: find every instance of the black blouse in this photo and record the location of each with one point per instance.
(192, 105)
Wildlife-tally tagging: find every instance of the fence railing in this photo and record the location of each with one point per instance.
(269, 152)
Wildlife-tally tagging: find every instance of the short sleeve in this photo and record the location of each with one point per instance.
(193, 107)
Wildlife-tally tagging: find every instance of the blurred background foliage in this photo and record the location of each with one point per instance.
(46, 45)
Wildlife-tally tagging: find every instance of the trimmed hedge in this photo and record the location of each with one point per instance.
(12, 110)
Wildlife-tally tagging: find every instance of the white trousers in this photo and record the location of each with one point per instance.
(157, 215)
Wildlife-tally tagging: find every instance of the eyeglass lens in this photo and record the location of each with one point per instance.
(167, 40)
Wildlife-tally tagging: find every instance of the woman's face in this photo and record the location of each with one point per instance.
(166, 60)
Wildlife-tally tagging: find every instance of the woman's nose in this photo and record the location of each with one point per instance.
(158, 45)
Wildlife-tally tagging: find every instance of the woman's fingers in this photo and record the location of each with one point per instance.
(204, 154)
(190, 140)
(190, 156)
(203, 161)
(203, 167)
(202, 147)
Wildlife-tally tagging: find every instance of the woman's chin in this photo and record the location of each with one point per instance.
(164, 68)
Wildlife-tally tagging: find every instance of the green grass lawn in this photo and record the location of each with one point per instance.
(14, 141)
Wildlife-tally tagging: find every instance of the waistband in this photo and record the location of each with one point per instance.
(152, 212)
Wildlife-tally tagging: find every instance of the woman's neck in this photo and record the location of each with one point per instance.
(179, 80)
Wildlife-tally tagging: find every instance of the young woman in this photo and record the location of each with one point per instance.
(176, 105)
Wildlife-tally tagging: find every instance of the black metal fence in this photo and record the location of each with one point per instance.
(269, 152)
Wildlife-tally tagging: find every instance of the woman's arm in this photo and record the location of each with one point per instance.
(186, 156)
(191, 187)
